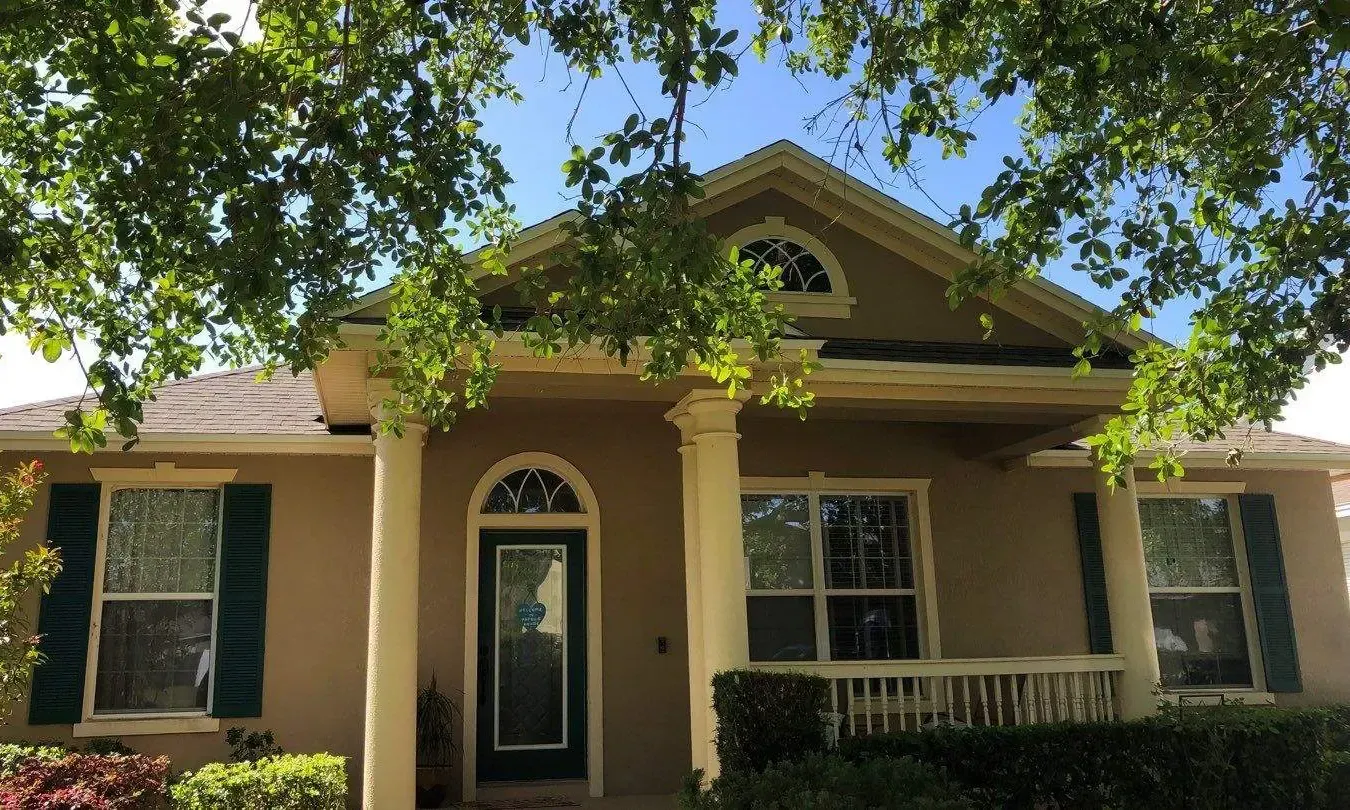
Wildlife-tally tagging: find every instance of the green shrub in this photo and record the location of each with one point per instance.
(286, 782)
(251, 746)
(1338, 779)
(820, 782)
(1231, 759)
(1338, 727)
(768, 717)
(12, 755)
(108, 746)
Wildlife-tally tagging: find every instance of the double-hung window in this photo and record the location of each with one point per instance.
(1199, 592)
(155, 602)
(832, 574)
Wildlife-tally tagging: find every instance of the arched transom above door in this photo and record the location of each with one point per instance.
(532, 491)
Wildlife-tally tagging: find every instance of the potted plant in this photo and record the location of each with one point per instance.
(436, 718)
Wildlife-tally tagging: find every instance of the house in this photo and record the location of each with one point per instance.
(1340, 490)
(576, 561)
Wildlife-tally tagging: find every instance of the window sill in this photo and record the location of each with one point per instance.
(1218, 697)
(814, 305)
(148, 725)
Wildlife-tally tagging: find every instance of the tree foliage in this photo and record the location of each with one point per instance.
(177, 194)
(31, 571)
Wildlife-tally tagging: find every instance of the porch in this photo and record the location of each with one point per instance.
(1012, 648)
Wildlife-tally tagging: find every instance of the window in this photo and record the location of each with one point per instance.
(1198, 591)
(532, 490)
(831, 576)
(156, 601)
(802, 271)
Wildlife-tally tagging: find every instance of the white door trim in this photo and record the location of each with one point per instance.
(588, 521)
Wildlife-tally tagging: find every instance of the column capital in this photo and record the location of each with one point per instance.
(379, 393)
(706, 410)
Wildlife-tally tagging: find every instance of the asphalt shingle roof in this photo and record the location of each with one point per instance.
(226, 402)
(1256, 439)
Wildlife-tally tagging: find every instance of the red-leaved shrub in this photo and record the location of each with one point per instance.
(87, 782)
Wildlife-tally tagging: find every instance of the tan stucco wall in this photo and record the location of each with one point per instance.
(319, 562)
(897, 299)
(628, 455)
(1005, 557)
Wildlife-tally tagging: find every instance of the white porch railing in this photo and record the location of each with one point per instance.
(878, 696)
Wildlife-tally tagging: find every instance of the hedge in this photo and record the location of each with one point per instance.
(1231, 759)
(829, 783)
(87, 782)
(286, 782)
(768, 717)
(12, 755)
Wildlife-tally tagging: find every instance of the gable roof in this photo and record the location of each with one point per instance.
(936, 241)
(224, 403)
(1255, 439)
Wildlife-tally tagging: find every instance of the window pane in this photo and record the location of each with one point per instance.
(867, 543)
(1201, 640)
(873, 628)
(162, 541)
(782, 628)
(154, 656)
(777, 532)
(531, 688)
(1188, 542)
(532, 491)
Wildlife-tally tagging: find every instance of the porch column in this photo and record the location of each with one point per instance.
(714, 555)
(389, 774)
(1127, 594)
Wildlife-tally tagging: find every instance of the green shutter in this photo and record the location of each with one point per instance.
(1274, 621)
(1094, 573)
(241, 623)
(63, 620)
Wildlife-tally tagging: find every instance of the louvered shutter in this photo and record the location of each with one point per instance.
(241, 625)
(1094, 573)
(63, 619)
(1274, 620)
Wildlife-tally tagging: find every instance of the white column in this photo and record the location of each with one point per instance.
(1127, 594)
(715, 584)
(389, 775)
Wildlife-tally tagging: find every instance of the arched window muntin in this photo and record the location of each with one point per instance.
(532, 491)
(803, 272)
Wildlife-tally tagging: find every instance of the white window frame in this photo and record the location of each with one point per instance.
(816, 484)
(1227, 492)
(161, 476)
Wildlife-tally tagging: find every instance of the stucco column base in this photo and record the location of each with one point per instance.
(1127, 595)
(389, 766)
(714, 556)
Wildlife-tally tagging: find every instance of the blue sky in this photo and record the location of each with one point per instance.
(760, 106)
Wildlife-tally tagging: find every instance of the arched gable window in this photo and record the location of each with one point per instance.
(802, 271)
(530, 491)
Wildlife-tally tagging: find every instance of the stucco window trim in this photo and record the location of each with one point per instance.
(815, 484)
(188, 724)
(1228, 492)
(835, 304)
(163, 475)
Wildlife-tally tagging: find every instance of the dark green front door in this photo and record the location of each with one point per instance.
(531, 655)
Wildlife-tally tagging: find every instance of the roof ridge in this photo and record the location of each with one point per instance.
(73, 398)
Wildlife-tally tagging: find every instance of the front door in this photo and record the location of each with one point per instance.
(531, 655)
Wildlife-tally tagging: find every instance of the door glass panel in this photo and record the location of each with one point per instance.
(531, 654)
